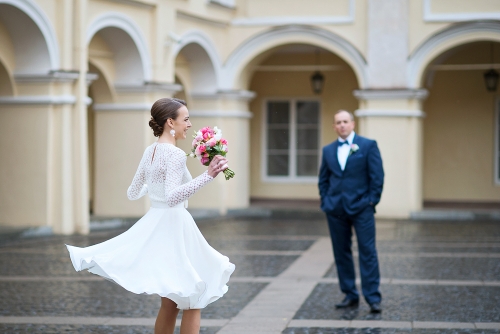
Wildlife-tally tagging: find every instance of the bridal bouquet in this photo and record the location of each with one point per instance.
(208, 143)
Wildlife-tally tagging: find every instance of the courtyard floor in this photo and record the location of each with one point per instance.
(437, 277)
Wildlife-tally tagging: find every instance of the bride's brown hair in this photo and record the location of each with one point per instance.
(162, 110)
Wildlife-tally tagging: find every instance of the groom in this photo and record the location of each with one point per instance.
(351, 178)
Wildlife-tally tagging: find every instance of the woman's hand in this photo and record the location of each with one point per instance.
(217, 165)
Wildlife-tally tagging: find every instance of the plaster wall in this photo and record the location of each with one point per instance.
(24, 163)
(120, 141)
(459, 139)
(266, 8)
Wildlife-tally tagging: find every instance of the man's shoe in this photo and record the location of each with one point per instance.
(347, 303)
(375, 308)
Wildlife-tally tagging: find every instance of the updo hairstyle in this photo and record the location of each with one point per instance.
(161, 111)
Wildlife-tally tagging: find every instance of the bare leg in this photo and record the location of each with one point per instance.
(165, 321)
(191, 321)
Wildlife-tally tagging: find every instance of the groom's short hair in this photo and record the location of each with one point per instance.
(342, 110)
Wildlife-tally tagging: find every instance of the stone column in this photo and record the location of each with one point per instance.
(37, 154)
(229, 111)
(121, 135)
(390, 112)
(394, 119)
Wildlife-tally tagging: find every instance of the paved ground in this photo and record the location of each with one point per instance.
(437, 277)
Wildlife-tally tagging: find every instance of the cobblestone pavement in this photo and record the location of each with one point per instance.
(437, 277)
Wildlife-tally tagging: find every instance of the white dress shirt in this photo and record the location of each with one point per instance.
(343, 150)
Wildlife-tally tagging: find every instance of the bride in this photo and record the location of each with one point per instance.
(164, 253)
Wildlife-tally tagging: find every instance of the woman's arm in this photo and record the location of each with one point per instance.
(175, 191)
(139, 188)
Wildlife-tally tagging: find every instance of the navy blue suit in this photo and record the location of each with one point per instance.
(349, 198)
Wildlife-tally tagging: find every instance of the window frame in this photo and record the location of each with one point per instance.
(292, 168)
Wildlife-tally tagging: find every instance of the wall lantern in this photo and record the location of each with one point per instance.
(491, 77)
(491, 80)
(317, 79)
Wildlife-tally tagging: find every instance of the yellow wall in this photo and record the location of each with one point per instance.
(459, 133)
(24, 163)
(336, 95)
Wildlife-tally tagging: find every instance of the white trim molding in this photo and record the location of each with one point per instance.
(307, 20)
(54, 76)
(150, 86)
(240, 95)
(388, 113)
(391, 94)
(41, 100)
(429, 16)
(221, 113)
(127, 24)
(34, 12)
(227, 4)
(445, 40)
(262, 42)
(121, 107)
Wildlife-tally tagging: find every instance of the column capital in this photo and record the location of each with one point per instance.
(391, 94)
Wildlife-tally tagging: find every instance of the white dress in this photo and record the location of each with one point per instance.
(163, 253)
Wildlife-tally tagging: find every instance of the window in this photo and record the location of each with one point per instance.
(291, 145)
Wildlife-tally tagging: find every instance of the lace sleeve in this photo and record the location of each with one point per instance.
(139, 188)
(175, 191)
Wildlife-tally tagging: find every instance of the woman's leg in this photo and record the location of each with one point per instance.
(191, 321)
(165, 321)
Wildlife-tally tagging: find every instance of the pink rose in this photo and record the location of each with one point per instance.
(203, 149)
(194, 142)
(197, 149)
(204, 160)
(223, 141)
(212, 142)
(205, 155)
(198, 137)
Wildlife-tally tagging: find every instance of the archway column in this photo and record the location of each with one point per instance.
(394, 119)
(121, 135)
(228, 110)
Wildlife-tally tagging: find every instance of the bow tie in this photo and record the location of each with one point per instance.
(343, 142)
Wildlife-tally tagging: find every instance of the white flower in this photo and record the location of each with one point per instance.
(224, 148)
(218, 133)
(354, 148)
(192, 155)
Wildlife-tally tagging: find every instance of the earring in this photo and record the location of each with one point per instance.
(172, 132)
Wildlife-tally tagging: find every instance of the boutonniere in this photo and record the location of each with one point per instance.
(354, 148)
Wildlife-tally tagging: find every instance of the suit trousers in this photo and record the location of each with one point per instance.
(341, 226)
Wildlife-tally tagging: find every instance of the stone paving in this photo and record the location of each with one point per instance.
(437, 277)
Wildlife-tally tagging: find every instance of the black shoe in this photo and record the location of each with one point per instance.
(375, 308)
(348, 303)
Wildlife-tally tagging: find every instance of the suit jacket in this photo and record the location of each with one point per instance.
(360, 183)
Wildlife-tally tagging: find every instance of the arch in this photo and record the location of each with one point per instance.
(445, 40)
(204, 60)
(133, 60)
(33, 37)
(294, 34)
